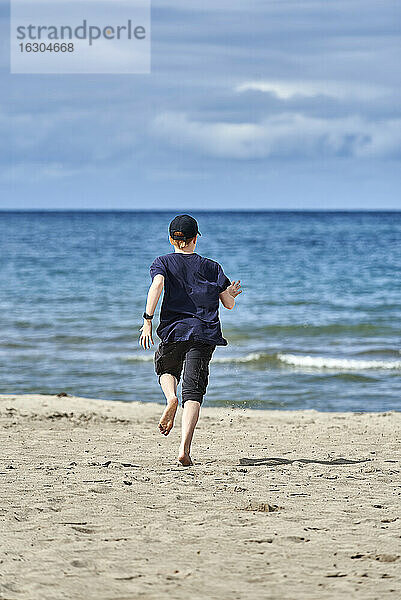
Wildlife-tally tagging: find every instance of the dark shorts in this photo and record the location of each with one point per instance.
(191, 358)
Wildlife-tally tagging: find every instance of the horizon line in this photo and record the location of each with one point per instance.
(201, 210)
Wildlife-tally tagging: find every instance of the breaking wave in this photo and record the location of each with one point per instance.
(295, 360)
(138, 358)
(339, 364)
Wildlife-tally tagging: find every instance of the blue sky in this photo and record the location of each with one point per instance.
(284, 104)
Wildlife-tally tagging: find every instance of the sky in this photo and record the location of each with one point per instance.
(257, 104)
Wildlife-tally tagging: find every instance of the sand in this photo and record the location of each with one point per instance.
(278, 505)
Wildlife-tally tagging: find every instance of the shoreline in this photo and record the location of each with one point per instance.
(235, 407)
(279, 503)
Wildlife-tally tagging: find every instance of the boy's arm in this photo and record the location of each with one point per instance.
(230, 293)
(154, 292)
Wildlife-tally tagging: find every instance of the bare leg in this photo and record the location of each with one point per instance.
(169, 386)
(190, 416)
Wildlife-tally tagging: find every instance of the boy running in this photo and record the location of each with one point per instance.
(189, 326)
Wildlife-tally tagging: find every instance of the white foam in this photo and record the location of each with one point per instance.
(296, 360)
(226, 359)
(339, 364)
(138, 358)
(240, 359)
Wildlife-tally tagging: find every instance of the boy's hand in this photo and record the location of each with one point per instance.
(234, 289)
(146, 339)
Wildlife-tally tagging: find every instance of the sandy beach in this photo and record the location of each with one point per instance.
(278, 504)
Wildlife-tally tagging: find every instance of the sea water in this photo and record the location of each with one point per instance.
(318, 324)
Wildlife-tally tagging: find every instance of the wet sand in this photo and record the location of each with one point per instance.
(278, 505)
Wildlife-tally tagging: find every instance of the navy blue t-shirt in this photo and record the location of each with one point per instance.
(190, 308)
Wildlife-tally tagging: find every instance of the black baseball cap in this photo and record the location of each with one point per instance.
(186, 225)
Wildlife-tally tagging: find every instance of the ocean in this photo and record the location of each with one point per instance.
(318, 324)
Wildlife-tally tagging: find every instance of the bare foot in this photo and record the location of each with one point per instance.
(185, 460)
(167, 419)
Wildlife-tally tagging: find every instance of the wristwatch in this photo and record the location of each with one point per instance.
(146, 316)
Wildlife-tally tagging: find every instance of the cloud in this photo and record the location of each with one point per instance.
(286, 90)
(235, 86)
(63, 143)
(287, 135)
(35, 172)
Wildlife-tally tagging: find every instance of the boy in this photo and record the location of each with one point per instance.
(189, 326)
